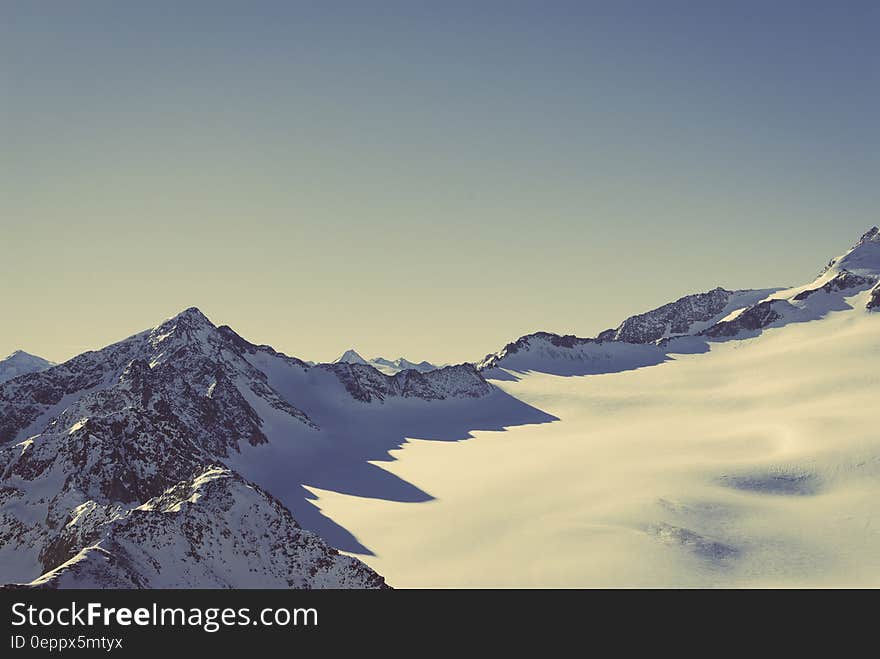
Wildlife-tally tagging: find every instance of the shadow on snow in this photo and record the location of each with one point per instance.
(339, 457)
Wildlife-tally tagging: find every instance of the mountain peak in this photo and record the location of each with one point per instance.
(192, 314)
(350, 356)
(191, 318)
(189, 327)
(863, 258)
(20, 356)
(21, 362)
(871, 235)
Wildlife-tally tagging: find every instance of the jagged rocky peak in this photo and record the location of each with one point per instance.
(188, 320)
(863, 258)
(190, 329)
(189, 326)
(191, 316)
(184, 369)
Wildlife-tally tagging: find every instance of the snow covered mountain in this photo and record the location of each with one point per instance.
(137, 441)
(686, 324)
(187, 456)
(638, 341)
(20, 363)
(350, 356)
(386, 366)
(239, 536)
(851, 273)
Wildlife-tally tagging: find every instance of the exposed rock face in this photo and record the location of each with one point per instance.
(755, 318)
(671, 319)
(874, 301)
(844, 280)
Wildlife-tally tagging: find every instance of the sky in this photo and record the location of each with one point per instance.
(427, 179)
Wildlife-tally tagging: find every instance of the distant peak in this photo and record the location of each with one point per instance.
(21, 355)
(20, 363)
(350, 356)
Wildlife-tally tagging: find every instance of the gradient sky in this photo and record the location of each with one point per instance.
(422, 179)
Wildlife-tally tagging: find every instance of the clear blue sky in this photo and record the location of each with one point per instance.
(426, 179)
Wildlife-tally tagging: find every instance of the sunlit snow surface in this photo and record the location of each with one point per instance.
(755, 464)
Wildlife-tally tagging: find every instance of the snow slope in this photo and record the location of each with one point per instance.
(754, 461)
(757, 464)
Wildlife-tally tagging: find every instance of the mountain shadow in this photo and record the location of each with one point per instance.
(353, 435)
